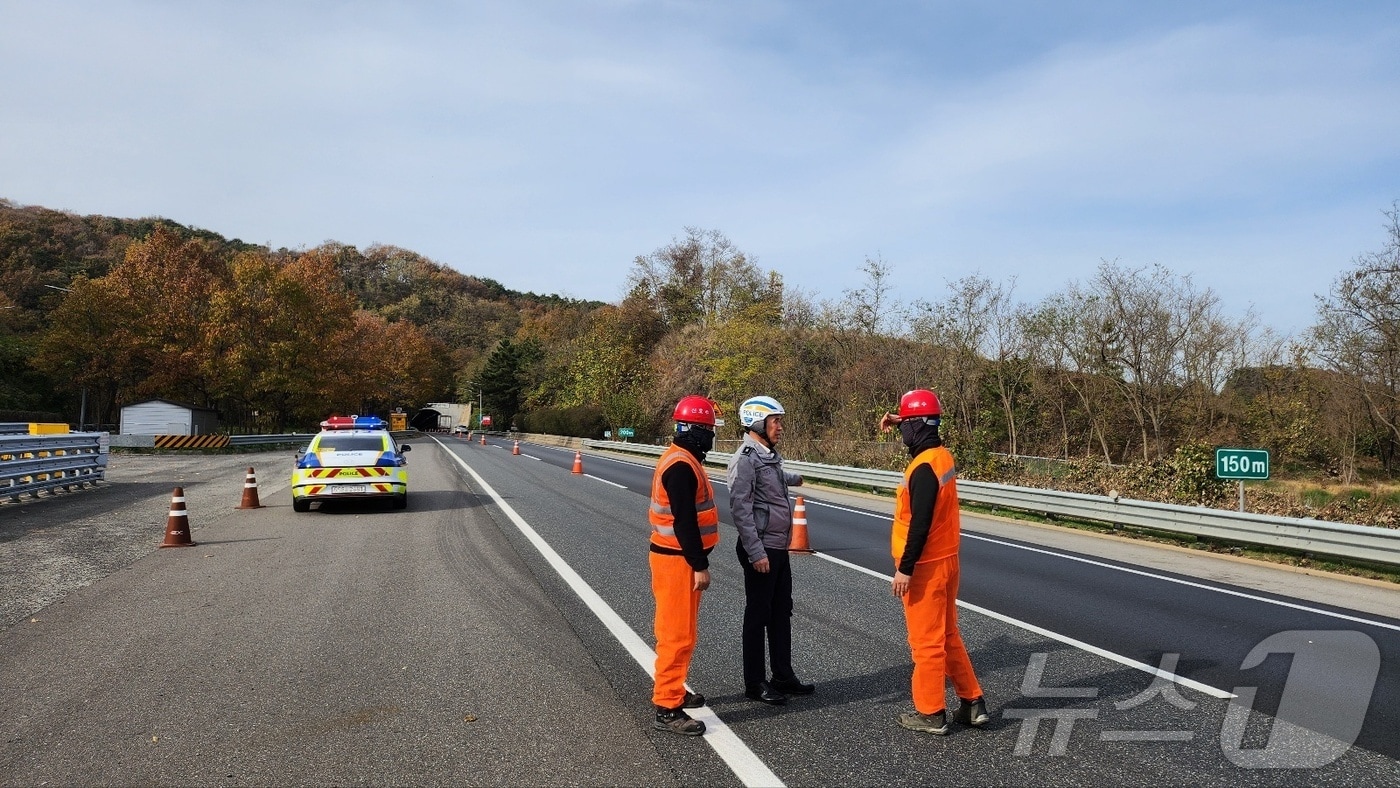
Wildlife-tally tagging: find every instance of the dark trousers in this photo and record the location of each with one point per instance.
(767, 614)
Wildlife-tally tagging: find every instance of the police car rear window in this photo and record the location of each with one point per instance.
(350, 443)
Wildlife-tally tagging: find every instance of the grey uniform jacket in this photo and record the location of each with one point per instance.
(758, 498)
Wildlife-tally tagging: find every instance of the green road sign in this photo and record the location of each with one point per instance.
(1241, 464)
(624, 432)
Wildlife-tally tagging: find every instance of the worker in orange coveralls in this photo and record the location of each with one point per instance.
(684, 529)
(924, 541)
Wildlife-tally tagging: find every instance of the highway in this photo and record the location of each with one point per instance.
(498, 633)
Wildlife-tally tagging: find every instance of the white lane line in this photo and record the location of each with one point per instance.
(611, 459)
(1191, 584)
(1144, 573)
(847, 509)
(1079, 644)
(726, 744)
(605, 481)
(531, 457)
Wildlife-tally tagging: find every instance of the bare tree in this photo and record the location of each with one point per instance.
(1157, 328)
(957, 327)
(870, 309)
(1009, 354)
(1357, 334)
(1063, 334)
(704, 279)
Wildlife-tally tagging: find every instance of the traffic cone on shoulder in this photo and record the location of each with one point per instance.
(516, 450)
(483, 439)
(799, 528)
(578, 462)
(177, 527)
(250, 492)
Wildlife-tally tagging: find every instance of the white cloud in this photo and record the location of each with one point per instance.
(545, 145)
(1207, 111)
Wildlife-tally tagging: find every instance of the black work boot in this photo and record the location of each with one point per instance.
(693, 700)
(972, 712)
(677, 721)
(792, 686)
(765, 692)
(936, 723)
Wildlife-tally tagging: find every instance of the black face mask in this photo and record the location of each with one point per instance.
(695, 438)
(919, 434)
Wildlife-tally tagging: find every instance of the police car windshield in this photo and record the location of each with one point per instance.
(334, 442)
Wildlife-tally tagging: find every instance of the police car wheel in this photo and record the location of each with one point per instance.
(301, 505)
(401, 501)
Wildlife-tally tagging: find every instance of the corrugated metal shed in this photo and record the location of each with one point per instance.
(166, 417)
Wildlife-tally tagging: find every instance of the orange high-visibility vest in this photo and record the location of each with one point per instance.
(663, 522)
(944, 532)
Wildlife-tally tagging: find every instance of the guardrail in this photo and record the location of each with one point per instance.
(255, 440)
(35, 463)
(1345, 540)
(223, 441)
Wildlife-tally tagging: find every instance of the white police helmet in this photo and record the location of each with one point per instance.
(756, 409)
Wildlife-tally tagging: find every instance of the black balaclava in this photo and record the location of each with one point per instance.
(694, 437)
(920, 433)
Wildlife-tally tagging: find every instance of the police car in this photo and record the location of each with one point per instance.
(352, 457)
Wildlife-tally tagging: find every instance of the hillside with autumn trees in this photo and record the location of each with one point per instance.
(1128, 378)
(120, 311)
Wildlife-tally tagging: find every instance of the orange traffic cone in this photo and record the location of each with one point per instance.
(177, 528)
(799, 528)
(250, 492)
(516, 450)
(578, 462)
(483, 439)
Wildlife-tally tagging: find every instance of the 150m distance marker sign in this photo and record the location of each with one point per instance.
(1241, 463)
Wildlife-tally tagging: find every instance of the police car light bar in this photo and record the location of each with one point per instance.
(354, 423)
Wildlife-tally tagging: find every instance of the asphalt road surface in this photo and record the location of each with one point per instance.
(498, 633)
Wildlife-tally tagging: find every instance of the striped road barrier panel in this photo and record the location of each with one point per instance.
(191, 441)
(31, 464)
(1345, 540)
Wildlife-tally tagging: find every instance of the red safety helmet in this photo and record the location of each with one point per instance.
(695, 409)
(919, 402)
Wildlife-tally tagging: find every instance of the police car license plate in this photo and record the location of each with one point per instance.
(348, 488)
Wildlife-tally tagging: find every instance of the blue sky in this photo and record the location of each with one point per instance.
(1250, 145)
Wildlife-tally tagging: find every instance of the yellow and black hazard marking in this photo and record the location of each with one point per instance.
(191, 441)
(341, 473)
